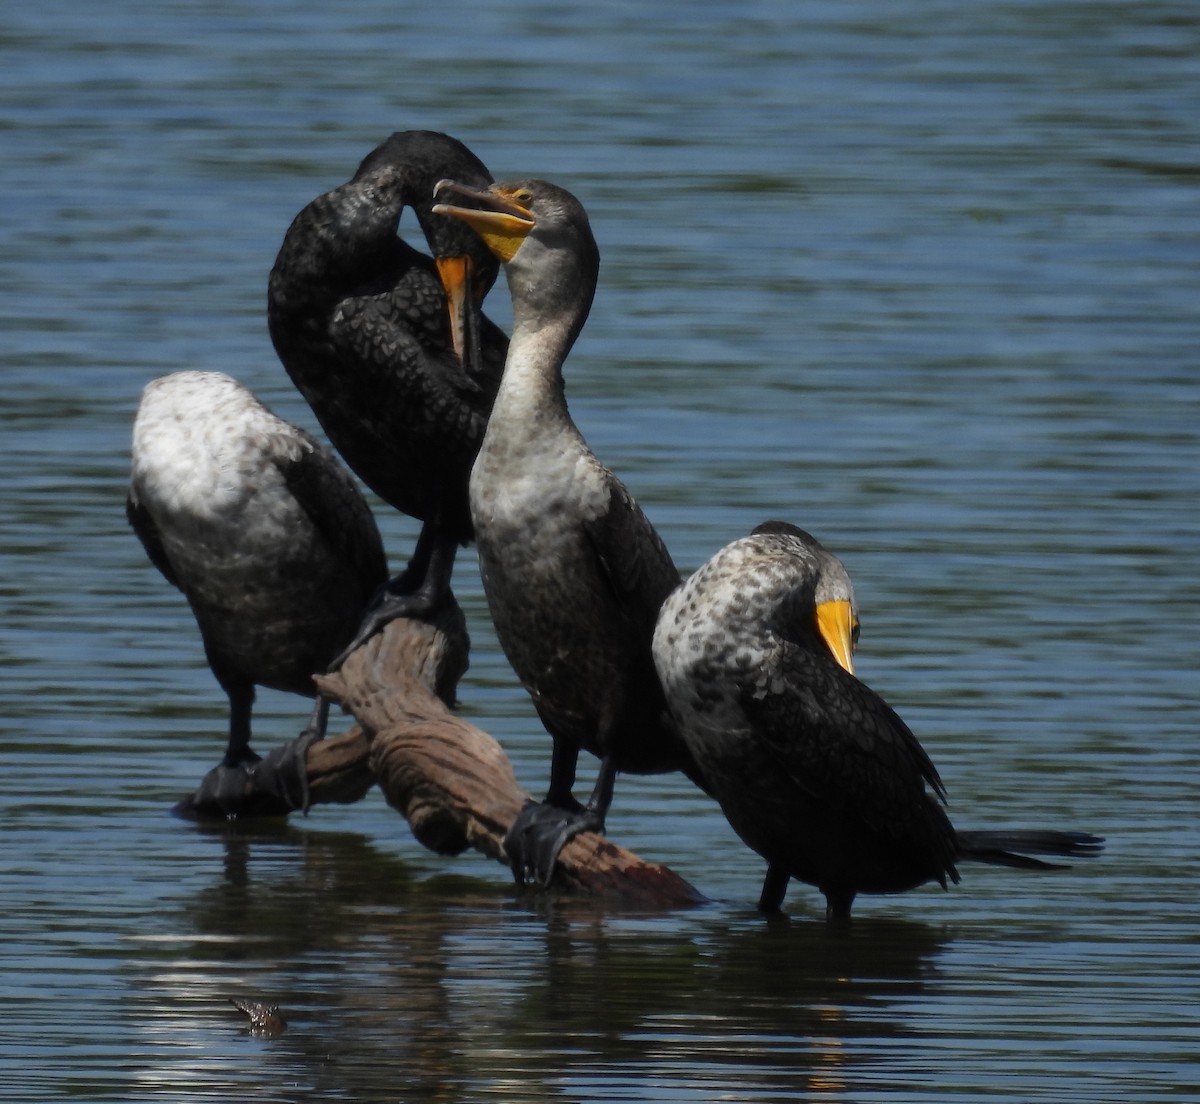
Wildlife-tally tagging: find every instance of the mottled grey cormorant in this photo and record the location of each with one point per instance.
(812, 768)
(401, 385)
(268, 537)
(573, 571)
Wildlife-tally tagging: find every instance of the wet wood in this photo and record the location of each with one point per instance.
(451, 780)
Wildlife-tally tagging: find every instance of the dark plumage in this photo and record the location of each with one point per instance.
(266, 534)
(574, 572)
(359, 319)
(812, 768)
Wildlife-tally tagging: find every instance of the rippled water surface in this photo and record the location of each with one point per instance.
(922, 277)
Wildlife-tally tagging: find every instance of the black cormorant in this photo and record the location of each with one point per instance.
(813, 769)
(401, 384)
(268, 537)
(573, 571)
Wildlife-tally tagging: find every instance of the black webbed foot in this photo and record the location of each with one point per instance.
(539, 833)
(390, 603)
(247, 785)
(223, 790)
(284, 772)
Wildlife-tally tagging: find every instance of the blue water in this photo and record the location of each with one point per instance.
(920, 277)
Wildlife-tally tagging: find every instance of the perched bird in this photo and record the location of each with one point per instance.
(388, 346)
(268, 537)
(813, 770)
(573, 571)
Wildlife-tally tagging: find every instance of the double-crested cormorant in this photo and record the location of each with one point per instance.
(812, 768)
(573, 571)
(266, 534)
(401, 385)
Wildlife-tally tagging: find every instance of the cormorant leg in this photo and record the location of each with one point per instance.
(602, 793)
(774, 888)
(225, 785)
(564, 758)
(241, 704)
(837, 906)
(542, 830)
(431, 566)
(415, 592)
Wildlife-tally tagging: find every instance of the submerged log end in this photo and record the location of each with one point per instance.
(596, 866)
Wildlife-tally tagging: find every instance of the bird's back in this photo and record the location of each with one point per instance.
(258, 525)
(359, 320)
(812, 768)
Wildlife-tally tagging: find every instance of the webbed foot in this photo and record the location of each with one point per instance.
(388, 605)
(539, 833)
(284, 771)
(247, 785)
(224, 789)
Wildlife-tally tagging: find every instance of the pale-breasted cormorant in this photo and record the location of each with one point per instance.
(813, 769)
(401, 384)
(573, 571)
(268, 537)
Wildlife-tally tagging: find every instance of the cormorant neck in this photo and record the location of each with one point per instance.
(552, 291)
(533, 371)
(552, 283)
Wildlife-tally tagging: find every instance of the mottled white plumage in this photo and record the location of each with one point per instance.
(721, 631)
(208, 459)
(260, 527)
(812, 768)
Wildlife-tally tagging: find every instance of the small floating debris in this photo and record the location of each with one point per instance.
(264, 1018)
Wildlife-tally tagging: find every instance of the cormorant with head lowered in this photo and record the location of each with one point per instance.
(573, 571)
(270, 540)
(813, 770)
(389, 348)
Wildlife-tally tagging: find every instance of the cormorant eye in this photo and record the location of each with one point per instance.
(524, 198)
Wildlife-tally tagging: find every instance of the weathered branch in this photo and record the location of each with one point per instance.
(451, 780)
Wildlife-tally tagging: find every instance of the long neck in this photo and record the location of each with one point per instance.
(533, 377)
(547, 319)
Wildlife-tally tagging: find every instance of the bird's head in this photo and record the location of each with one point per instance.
(542, 235)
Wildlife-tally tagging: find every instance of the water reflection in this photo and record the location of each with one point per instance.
(467, 989)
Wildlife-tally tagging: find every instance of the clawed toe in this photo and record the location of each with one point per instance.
(224, 788)
(284, 772)
(537, 836)
(387, 606)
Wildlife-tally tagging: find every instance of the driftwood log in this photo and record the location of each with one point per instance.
(451, 780)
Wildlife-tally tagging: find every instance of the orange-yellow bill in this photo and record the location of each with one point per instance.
(836, 623)
(503, 224)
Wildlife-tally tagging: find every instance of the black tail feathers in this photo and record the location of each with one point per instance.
(1012, 848)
